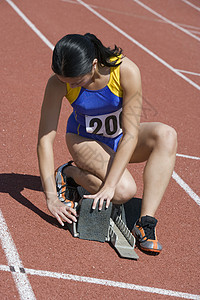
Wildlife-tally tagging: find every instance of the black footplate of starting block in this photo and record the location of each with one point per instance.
(105, 225)
(93, 223)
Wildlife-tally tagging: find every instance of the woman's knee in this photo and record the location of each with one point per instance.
(126, 190)
(165, 138)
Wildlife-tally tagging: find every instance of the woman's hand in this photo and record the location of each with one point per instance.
(106, 193)
(61, 211)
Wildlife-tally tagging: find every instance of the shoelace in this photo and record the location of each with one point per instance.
(67, 186)
(149, 231)
(72, 192)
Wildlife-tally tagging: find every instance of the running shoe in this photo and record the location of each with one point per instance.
(66, 186)
(145, 234)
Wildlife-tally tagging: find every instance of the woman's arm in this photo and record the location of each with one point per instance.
(131, 112)
(50, 112)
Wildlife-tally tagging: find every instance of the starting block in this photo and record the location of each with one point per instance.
(107, 225)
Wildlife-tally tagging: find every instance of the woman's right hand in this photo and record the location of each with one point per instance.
(61, 211)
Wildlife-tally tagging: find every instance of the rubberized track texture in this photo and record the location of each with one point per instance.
(38, 258)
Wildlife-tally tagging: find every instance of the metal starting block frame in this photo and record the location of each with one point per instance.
(116, 231)
(122, 239)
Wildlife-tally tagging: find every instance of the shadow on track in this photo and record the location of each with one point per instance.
(14, 184)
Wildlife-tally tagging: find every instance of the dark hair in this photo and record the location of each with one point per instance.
(73, 55)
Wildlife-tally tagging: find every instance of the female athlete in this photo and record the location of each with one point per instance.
(103, 135)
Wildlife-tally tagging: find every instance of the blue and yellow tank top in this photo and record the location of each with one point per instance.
(99, 111)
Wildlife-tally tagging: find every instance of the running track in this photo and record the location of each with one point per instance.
(38, 259)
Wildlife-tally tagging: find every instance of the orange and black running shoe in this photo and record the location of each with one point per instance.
(145, 234)
(66, 186)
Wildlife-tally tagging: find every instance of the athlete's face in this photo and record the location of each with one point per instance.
(76, 81)
(79, 81)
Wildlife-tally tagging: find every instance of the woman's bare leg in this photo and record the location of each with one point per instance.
(157, 144)
(93, 161)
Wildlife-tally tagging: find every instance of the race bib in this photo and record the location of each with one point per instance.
(108, 125)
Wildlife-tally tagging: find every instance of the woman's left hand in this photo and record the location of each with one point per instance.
(106, 193)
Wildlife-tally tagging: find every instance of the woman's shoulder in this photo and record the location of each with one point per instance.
(129, 71)
(54, 82)
(55, 89)
(128, 65)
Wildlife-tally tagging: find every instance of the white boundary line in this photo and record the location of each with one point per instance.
(21, 280)
(195, 31)
(191, 4)
(188, 72)
(188, 156)
(189, 26)
(139, 45)
(50, 45)
(166, 20)
(30, 24)
(186, 188)
(109, 283)
(13, 259)
(133, 15)
(175, 176)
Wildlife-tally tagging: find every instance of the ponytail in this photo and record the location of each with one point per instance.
(102, 53)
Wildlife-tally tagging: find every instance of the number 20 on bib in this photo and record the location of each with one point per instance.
(108, 125)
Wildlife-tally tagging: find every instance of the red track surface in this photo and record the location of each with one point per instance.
(25, 68)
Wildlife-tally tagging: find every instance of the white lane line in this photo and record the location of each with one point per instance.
(21, 280)
(167, 20)
(5, 268)
(109, 283)
(191, 4)
(186, 187)
(188, 72)
(30, 24)
(194, 31)
(13, 259)
(131, 14)
(189, 26)
(117, 29)
(50, 45)
(188, 156)
(139, 45)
